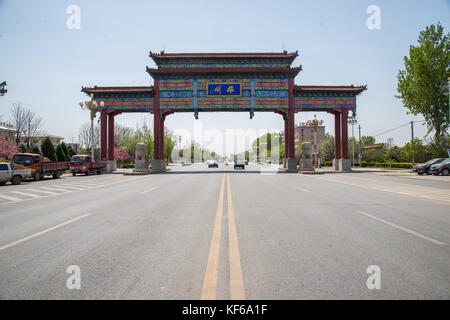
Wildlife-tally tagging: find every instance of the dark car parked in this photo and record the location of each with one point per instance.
(425, 168)
(441, 168)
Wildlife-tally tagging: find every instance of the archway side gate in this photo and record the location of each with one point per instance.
(236, 82)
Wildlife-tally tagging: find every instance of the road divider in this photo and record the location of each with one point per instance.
(210, 280)
(237, 290)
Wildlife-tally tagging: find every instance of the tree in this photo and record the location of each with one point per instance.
(60, 155)
(413, 149)
(35, 149)
(365, 140)
(32, 126)
(326, 148)
(70, 152)
(17, 118)
(84, 136)
(48, 150)
(66, 151)
(419, 84)
(121, 154)
(7, 149)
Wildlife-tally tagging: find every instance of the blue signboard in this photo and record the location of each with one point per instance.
(224, 89)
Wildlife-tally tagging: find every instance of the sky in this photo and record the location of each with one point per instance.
(45, 63)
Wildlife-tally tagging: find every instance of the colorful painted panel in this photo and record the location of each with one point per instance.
(224, 65)
(175, 85)
(324, 102)
(126, 104)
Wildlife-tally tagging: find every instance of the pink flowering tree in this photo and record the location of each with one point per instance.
(121, 154)
(7, 149)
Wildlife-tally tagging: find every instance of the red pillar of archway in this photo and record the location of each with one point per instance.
(345, 164)
(337, 139)
(290, 145)
(103, 134)
(111, 136)
(158, 163)
(286, 137)
(344, 130)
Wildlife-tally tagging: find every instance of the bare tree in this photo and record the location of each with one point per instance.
(17, 118)
(84, 136)
(32, 127)
(120, 132)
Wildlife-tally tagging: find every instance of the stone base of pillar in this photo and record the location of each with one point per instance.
(284, 163)
(336, 163)
(345, 165)
(158, 166)
(292, 165)
(111, 165)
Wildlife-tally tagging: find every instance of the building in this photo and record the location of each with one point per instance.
(304, 131)
(7, 131)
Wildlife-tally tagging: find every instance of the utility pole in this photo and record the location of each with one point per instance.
(412, 138)
(360, 155)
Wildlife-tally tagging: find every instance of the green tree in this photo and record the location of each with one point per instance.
(413, 149)
(419, 84)
(35, 149)
(326, 148)
(70, 152)
(66, 151)
(48, 150)
(60, 155)
(365, 140)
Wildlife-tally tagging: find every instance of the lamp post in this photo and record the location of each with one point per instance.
(315, 124)
(3, 89)
(353, 121)
(92, 106)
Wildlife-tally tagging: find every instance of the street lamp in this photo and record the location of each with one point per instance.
(3, 88)
(352, 120)
(315, 124)
(92, 106)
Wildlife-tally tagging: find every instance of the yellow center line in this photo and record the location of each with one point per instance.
(237, 290)
(210, 281)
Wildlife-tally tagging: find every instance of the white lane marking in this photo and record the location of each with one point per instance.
(56, 188)
(417, 234)
(42, 232)
(302, 189)
(80, 186)
(27, 194)
(148, 190)
(69, 188)
(13, 199)
(43, 191)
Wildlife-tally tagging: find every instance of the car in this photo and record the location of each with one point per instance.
(425, 168)
(13, 173)
(441, 168)
(213, 164)
(239, 163)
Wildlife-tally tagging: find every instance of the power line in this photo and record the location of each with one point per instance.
(404, 125)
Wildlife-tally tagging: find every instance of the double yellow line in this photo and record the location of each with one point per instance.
(237, 290)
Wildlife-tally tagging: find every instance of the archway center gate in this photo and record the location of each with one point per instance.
(236, 82)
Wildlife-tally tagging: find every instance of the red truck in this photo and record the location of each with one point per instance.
(40, 166)
(82, 163)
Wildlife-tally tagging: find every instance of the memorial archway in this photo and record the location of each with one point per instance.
(231, 82)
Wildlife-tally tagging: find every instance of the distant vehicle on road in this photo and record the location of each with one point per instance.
(9, 172)
(441, 168)
(213, 164)
(40, 166)
(239, 163)
(425, 168)
(82, 163)
(246, 162)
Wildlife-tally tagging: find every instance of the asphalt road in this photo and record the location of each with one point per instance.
(195, 233)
